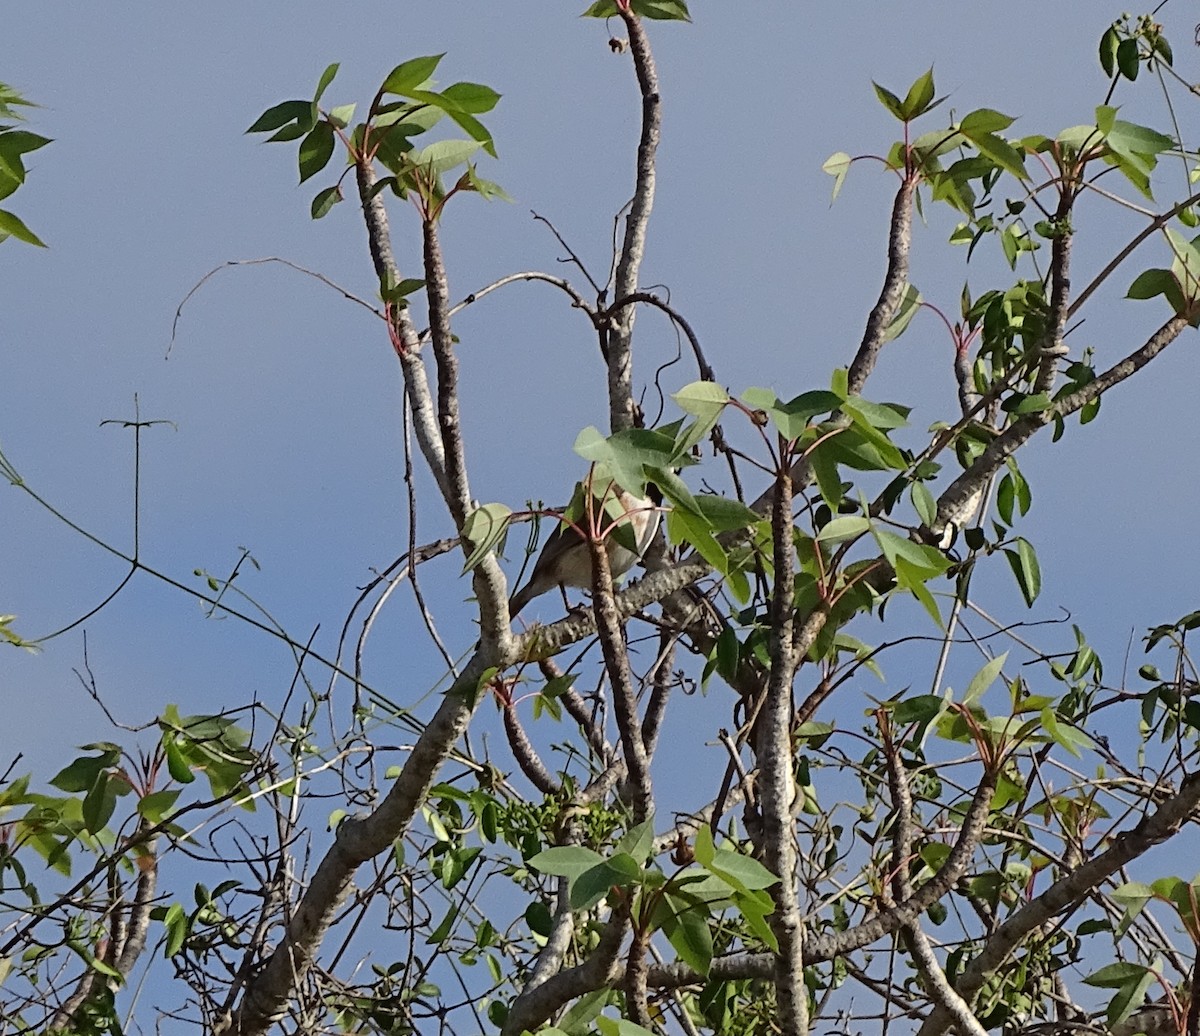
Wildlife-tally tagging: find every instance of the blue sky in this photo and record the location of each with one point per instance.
(284, 398)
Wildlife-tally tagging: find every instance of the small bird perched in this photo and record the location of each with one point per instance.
(565, 561)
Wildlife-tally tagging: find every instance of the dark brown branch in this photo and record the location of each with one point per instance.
(677, 318)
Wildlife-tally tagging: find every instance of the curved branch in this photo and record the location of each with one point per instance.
(895, 282)
(650, 299)
(577, 300)
(526, 755)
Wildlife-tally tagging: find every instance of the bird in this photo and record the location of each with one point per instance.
(565, 560)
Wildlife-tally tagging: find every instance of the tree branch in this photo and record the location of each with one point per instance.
(416, 383)
(776, 783)
(1069, 891)
(619, 352)
(895, 281)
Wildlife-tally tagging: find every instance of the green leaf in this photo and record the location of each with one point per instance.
(923, 503)
(1108, 50)
(985, 120)
(483, 529)
(912, 578)
(326, 200)
(12, 226)
(1061, 734)
(325, 80)
(443, 155)
(662, 10)
(472, 97)
(910, 303)
(303, 113)
(703, 846)
(588, 888)
(843, 528)
(316, 150)
(342, 115)
(755, 908)
(1024, 564)
(923, 559)
(442, 932)
(702, 400)
(628, 454)
(177, 925)
(890, 101)
(410, 75)
(793, 417)
(837, 165)
(1131, 140)
(726, 653)
(638, 842)
(1001, 152)
(577, 1018)
(691, 936)
(687, 528)
(565, 861)
(743, 872)
(82, 774)
(620, 1026)
(724, 514)
(398, 290)
(919, 97)
(13, 144)
(476, 130)
(922, 709)
(155, 806)
(177, 763)
(1127, 58)
(99, 804)
(983, 679)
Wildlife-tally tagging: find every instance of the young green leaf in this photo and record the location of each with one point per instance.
(316, 150)
(890, 101)
(410, 75)
(920, 97)
(1024, 564)
(326, 200)
(483, 529)
(837, 165)
(325, 80)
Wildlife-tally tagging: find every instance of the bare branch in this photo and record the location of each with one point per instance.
(416, 382)
(619, 352)
(776, 783)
